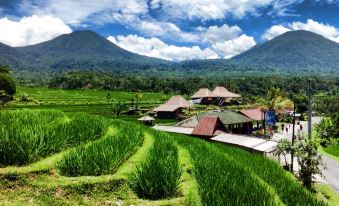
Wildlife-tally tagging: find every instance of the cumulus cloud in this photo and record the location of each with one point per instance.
(208, 9)
(325, 30)
(31, 30)
(235, 46)
(77, 12)
(274, 31)
(154, 47)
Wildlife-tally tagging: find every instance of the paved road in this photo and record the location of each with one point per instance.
(332, 172)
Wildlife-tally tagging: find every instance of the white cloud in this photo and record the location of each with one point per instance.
(274, 31)
(208, 9)
(154, 47)
(235, 46)
(76, 12)
(31, 30)
(325, 30)
(218, 34)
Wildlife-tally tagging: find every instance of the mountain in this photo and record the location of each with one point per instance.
(83, 50)
(294, 50)
(300, 51)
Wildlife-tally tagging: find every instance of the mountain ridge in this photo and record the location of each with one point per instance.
(86, 50)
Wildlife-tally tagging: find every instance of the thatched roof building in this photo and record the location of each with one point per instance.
(204, 93)
(222, 92)
(172, 107)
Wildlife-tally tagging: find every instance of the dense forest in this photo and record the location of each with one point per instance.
(248, 86)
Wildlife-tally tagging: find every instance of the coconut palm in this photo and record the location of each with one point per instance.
(274, 101)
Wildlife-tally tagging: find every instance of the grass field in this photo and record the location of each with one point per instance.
(49, 96)
(131, 164)
(333, 150)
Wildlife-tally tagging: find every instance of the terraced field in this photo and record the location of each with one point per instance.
(91, 160)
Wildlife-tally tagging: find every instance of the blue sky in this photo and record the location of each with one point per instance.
(169, 29)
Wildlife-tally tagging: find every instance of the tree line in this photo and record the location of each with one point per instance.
(248, 86)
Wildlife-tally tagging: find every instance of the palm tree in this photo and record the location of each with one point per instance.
(274, 101)
(138, 97)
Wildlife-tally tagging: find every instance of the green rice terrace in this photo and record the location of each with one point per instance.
(49, 157)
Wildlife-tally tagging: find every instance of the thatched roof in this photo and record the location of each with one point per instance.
(179, 101)
(203, 93)
(224, 93)
(146, 118)
(173, 104)
(166, 108)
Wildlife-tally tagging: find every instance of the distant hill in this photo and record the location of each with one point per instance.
(300, 51)
(81, 50)
(294, 50)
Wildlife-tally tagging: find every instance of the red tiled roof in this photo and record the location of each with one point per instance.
(255, 114)
(207, 126)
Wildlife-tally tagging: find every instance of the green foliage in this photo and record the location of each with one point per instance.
(158, 177)
(103, 156)
(284, 147)
(7, 83)
(249, 86)
(328, 130)
(309, 161)
(26, 136)
(333, 149)
(119, 108)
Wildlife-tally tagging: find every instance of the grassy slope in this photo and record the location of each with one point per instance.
(199, 160)
(333, 150)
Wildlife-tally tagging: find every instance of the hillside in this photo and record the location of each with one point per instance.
(92, 160)
(295, 50)
(85, 50)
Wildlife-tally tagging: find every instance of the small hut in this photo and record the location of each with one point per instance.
(147, 120)
(208, 127)
(206, 96)
(173, 107)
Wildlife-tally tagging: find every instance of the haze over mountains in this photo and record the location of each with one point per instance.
(86, 50)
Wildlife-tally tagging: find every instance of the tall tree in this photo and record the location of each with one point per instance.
(7, 85)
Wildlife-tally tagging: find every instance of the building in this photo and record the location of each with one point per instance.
(172, 108)
(222, 92)
(232, 121)
(147, 120)
(205, 96)
(208, 127)
(217, 96)
(255, 114)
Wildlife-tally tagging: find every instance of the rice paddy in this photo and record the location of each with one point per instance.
(158, 168)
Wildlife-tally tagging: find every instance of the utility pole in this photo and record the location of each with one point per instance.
(309, 90)
(292, 152)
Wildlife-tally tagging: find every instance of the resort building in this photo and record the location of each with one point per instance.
(172, 108)
(208, 127)
(217, 96)
(233, 122)
(204, 95)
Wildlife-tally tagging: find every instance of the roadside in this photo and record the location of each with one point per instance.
(331, 171)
